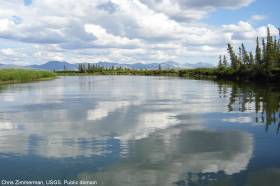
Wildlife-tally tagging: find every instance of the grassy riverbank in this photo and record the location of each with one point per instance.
(187, 73)
(253, 74)
(23, 75)
(104, 71)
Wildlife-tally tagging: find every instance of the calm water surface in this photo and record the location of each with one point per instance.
(140, 131)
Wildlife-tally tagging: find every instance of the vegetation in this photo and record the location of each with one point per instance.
(22, 75)
(92, 69)
(263, 66)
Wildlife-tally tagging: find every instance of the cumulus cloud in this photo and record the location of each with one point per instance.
(123, 30)
(192, 9)
(245, 31)
(104, 39)
(8, 51)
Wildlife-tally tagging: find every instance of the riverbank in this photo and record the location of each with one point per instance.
(171, 72)
(255, 74)
(229, 74)
(8, 76)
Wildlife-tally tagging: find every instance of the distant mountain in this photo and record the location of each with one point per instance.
(130, 66)
(154, 66)
(198, 65)
(171, 64)
(55, 65)
(60, 65)
(110, 64)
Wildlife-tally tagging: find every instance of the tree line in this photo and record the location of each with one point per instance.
(91, 68)
(265, 57)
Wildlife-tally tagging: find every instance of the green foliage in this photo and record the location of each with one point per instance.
(251, 59)
(264, 65)
(263, 51)
(23, 75)
(225, 62)
(220, 64)
(245, 56)
(258, 56)
(269, 51)
(235, 63)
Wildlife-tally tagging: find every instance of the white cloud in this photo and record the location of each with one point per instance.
(262, 31)
(192, 9)
(8, 51)
(257, 17)
(245, 31)
(122, 30)
(49, 55)
(5, 25)
(104, 39)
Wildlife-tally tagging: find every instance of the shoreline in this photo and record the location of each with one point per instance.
(31, 81)
(15, 76)
(215, 74)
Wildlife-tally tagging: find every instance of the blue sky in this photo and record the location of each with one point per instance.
(130, 31)
(27, 2)
(269, 9)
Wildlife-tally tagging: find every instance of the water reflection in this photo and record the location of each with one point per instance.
(264, 101)
(165, 157)
(126, 130)
(91, 109)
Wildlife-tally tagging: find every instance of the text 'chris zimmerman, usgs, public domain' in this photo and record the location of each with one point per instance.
(48, 182)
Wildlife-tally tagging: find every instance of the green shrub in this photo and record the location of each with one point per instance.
(24, 75)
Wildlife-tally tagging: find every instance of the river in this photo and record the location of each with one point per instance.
(137, 130)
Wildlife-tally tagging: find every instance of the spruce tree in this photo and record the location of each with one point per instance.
(233, 57)
(245, 55)
(258, 53)
(264, 53)
(278, 48)
(251, 59)
(220, 64)
(275, 51)
(269, 50)
(240, 55)
(225, 63)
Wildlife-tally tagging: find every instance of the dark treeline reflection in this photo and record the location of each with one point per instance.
(263, 100)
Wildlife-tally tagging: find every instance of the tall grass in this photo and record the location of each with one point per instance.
(23, 75)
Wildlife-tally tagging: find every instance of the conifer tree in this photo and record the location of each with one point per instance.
(263, 51)
(225, 63)
(269, 50)
(278, 48)
(275, 51)
(233, 57)
(258, 53)
(267, 55)
(251, 59)
(240, 56)
(220, 64)
(245, 55)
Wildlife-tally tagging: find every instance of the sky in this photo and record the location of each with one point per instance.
(130, 31)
